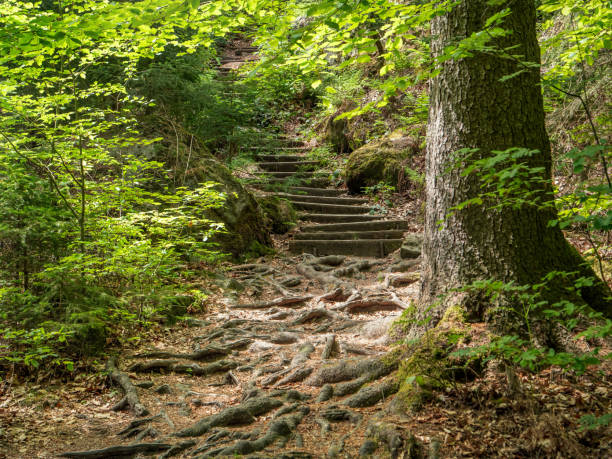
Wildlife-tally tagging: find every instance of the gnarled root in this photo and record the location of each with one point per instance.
(123, 380)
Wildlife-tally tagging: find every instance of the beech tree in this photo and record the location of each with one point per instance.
(487, 100)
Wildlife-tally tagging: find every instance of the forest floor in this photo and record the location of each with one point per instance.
(304, 376)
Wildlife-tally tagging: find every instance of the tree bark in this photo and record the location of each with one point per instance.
(471, 108)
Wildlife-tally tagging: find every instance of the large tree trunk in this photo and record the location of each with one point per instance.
(471, 108)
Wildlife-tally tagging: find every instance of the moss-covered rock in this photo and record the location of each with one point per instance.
(335, 134)
(379, 161)
(243, 219)
(279, 213)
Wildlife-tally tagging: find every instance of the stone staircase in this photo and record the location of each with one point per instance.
(332, 223)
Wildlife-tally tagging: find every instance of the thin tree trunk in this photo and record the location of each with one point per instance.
(471, 108)
(26, 268)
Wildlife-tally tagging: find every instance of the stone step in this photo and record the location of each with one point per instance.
(277, 148)
(271, 183)
(291, 166)
(382, 225)
(330, 208)
(279, 158)
(290, 141)
(322, 199)
(339, 218)
(350, 235)
(300, 190)
(378, 248)
(296, 174)
(245, 49)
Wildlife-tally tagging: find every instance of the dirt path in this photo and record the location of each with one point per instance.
(297, 373)
(291, 364)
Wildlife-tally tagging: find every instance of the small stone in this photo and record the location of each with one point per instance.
(144, 384)
(410, 252)
(405, 266)
(368, 448)
(412, 246)
(163, 389)
(284, 338)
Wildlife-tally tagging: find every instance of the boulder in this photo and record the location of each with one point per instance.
(336, 134)
(380, 160)
(279, 213)
(412, 245)
(244, 220)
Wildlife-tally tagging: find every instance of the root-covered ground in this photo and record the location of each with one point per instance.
(297, 361)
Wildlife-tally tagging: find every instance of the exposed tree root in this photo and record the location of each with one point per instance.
(279, 429)
(210, 352)
(396, 442)
(123, 380)
(135, 427)
(355, 268)
(374, 302)
(352, 386)
(268, 381)
(345, 325)
(330, 345)
(303, 354)
(290, 281)
(297, 375)
(346, 370)
(370, 395)
(406, 265)
(337, 295)
(324, 424)
(284, 338)
(311, 273)
(335, 414)
(120, 451)
(293, 373)
(178, 449)
(278, 287)
(234, 415)
(281, 315)
(145, 384)
(192, 369)
(399, 280)
(350, 349)
(327, 392)
(329, 260)
(335, 449)
(120, 405)
(283, 301)
(252, 267)
(286, 410)
(314, 314)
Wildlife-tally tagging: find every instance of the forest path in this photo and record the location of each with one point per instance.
(298, 373)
